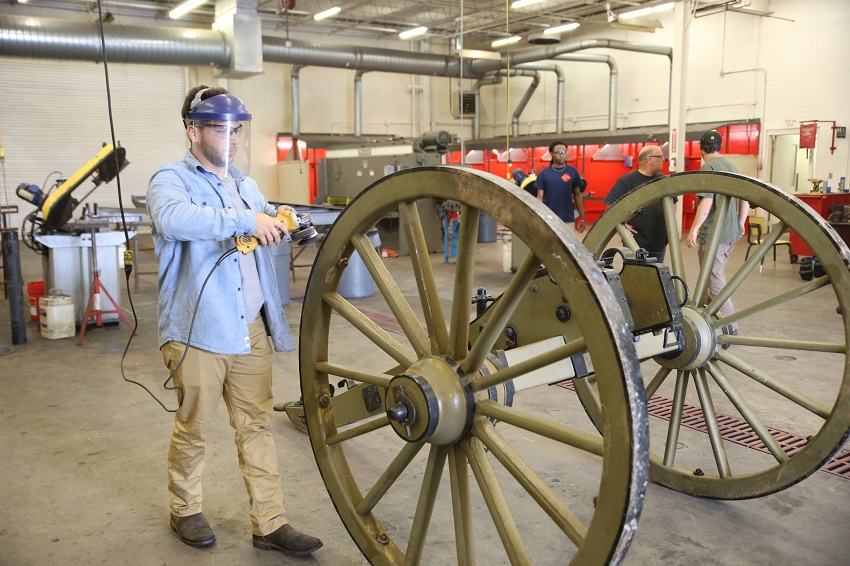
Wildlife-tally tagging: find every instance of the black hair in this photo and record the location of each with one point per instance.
(554, 143)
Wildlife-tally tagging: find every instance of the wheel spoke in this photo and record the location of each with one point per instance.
(799, 291)
(495, 500)
(527, 366)
(831, 347)
(348, 372)
(464, 271)
(657, 380)
(746, 411)
(359, 430)
(501, 313)
(544, 427)
(390, 475)
(677, 262)
(531, 482)
(368, 328)
(710, 415)
(627, 237)
(722, 205)
(425, 506)
(675, 424)
(461, 507)
(392, 294)
(424, 275)
(744, 271)
(789, 393)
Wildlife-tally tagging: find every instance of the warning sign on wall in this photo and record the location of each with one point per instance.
(808, 135)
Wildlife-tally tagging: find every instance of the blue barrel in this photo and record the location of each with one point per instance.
(486, 228)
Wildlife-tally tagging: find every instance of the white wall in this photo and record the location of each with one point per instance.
(54, 118)
(781, 70)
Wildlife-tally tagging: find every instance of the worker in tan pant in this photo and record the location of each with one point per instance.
(226, 306)
(207, 377)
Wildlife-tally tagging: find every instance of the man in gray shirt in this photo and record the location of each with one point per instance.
(732, 226)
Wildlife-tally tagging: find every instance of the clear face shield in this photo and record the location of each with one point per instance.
(222, 126)
(225, 144)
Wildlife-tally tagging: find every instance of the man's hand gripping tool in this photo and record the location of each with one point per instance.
(300, 228)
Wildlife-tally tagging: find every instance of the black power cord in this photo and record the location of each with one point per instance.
(128, 255)
(178, 388)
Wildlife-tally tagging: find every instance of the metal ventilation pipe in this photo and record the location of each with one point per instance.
(613, 74)
(559, 92)
(490, 79)
(279, 50)
(45, 38)
(295, 87)
(358, 103)
(553, 51)
(481, 66)
(535, 81)
(527, 70)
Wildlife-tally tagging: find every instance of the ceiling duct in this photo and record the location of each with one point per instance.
(238, 21)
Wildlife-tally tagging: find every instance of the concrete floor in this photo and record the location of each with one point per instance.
(83, 476)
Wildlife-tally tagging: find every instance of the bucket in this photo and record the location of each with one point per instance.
(356, 282)
(57, 315)
(35, 290)
(507, 256)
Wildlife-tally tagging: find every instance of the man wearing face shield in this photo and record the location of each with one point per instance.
(197, 207)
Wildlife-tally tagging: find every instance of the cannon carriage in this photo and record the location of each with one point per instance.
(480, 458)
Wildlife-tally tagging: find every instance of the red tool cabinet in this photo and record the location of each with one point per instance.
(822, 204)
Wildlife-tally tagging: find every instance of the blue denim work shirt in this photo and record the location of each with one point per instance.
(193, 222)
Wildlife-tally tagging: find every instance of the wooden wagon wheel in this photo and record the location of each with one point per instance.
(386, 474)
(743, 381)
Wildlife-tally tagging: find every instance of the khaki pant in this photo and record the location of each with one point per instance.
(718, 277)
(245, 383)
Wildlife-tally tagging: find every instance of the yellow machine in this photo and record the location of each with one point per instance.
(58, 207)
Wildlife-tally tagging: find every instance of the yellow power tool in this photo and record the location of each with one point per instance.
(300, 229)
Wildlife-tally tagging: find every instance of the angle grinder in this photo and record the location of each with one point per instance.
(300, 228)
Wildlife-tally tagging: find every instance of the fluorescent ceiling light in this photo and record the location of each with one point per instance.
(523, 3)
(185, 8)
(327, 13)
(415, 32)
(505, 41)
(376, 28)
(646, 11)
(559, 29)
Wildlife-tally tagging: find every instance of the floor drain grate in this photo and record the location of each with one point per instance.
(738, 431)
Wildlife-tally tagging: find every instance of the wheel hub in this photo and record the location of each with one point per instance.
(700, 341)
(431, 401)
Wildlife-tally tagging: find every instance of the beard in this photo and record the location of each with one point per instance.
(213, 154)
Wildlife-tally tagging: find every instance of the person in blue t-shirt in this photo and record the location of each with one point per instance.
(559, 187)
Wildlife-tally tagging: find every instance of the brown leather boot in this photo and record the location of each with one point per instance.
(193, 530)
(286, 539)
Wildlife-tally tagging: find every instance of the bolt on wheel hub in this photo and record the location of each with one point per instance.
(431, 401)
(700, 340)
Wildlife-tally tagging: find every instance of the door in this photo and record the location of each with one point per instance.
(789, 163)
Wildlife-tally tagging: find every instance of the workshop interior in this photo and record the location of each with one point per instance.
(477, 380)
